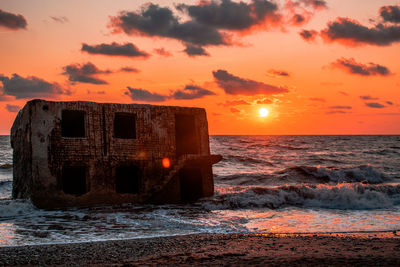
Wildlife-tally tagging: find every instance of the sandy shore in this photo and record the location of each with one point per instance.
(215, 249)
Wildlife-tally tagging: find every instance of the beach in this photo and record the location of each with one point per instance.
(382, 249)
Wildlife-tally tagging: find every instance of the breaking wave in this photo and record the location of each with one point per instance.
(364, 173)
(307, 174)
(343, 196)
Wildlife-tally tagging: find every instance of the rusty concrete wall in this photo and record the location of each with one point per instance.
(22, 156)
(40, 152)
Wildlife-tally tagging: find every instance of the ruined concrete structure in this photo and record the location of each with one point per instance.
(85, 153)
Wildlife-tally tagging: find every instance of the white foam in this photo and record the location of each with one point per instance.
(363, 173)
(355, 196)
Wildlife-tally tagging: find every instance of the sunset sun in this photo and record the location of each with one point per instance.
(263, 112)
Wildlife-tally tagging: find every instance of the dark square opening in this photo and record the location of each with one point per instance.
(191, 182)
(127, 180)
(125, 126)
(74, 180)
(73, 123)
(185, 135)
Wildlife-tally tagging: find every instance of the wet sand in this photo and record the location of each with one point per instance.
(379, 249)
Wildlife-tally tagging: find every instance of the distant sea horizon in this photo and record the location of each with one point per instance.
(287, 134)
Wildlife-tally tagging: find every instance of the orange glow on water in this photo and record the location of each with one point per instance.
(166, 163)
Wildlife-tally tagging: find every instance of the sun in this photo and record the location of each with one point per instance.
(263, 112)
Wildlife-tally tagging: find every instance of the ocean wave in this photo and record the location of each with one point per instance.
(344, 196)
(306, 174)
(6, 166)
(10, 208)
(5, 190)
(4, 183)
(382, 152)
(363, 173)
(245, 159)
(323, 160)
(276, 146)
(288, 147)
(257, 146)
(244, 179)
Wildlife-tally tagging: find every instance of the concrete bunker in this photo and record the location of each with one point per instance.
(86, 153)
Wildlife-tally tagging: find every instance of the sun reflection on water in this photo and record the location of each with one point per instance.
(7, 233)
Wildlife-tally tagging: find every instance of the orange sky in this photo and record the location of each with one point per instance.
(344, 81)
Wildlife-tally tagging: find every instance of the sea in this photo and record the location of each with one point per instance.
(264, 184)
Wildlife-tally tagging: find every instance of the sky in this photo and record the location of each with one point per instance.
(318, 66)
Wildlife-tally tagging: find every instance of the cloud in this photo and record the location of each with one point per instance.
(308, 35)
(188, 93)
(390, 13)
(191, 92)
(3, 96)
(195, 50)
(139, 94)
(61, 20)
(316, 4)
(300, 12)
(153, 20)
(339, 110)
(278, 73)
(209, 23)
(343, 93)
(336, 112)
(351, 66)
(317, 99)
(389, 103)
(351, 32)
(234, 110)
(12, 108)
(12, 21)
(235, 85)
(30, 87)
(84, 73)
(368, 97)
(374, 105)
(115, 49)
(340, 107)
(98, 92)
(162, 52)
(234, 103)
(129, 69)
(229, 15)
(264, 101)
(298, 19)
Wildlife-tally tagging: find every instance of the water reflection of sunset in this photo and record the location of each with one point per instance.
(7, 233)
(292, 220)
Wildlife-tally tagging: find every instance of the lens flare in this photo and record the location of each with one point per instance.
(166, 163)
